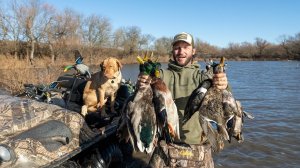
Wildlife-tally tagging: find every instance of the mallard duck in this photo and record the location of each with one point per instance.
(81, 69)
(198, 94)
(141, 120)
(166, 111)
(151, 109)
(209, 102)
(165, 108)
(220, 114)
(211, 112)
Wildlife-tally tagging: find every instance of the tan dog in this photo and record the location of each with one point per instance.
(102, 85)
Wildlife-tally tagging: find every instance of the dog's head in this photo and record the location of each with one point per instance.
(110, 67)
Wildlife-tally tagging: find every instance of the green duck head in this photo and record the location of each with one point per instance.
(148, 67)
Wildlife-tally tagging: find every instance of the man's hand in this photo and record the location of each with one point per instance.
(143, 81)
(220, 81)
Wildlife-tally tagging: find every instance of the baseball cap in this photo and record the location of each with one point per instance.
(183, 36)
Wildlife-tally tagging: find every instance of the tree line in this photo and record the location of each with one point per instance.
(33, 29)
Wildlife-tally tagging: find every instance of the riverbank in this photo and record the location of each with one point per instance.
(14, 72)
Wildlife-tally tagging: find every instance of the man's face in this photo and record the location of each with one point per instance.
(183, 53)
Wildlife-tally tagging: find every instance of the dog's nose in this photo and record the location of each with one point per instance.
(112, 81)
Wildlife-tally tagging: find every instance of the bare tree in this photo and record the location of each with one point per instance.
(133, 35)
(11, 29)
(34, 17)
(130, 39)
(119, 37)
(163, 45)
(96, 31)
(248, 50)
(145, 42)
(261, 45)
(285, 44)
(294, 44)
(62, 31)
(69, 26)
(234, 50)
(3, 26)
(206, 50)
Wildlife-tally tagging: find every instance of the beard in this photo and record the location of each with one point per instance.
(186, 62)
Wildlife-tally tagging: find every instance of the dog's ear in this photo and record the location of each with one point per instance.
(101, 66)
(119, 64)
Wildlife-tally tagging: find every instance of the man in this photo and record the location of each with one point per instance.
(182, 77)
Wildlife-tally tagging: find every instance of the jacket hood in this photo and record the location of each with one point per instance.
(172, 66)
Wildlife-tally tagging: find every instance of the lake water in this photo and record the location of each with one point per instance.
(270, 91)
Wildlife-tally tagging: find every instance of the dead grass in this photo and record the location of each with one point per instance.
(14, 72)
(13, 79)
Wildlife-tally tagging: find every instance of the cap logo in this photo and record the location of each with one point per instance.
(181, 36)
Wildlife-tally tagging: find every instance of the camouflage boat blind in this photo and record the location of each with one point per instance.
(39, 134)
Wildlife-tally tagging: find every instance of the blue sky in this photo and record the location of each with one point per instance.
(217, 22)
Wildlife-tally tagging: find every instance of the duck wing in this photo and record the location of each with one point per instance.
(142, 121)
(83, 69)
(195, 100)
(166, 111)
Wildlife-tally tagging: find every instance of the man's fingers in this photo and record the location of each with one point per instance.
(143, 81)
(220, 80)
(141, 76)
(220, 75)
